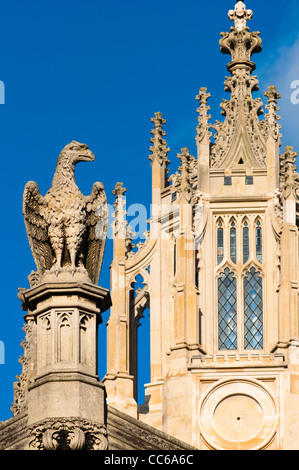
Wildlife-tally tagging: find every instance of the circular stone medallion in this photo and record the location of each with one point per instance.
(238, 414)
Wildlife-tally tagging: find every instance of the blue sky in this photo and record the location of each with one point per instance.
(96, 72)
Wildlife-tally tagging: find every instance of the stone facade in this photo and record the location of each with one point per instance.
(220, 275)
(219, 265)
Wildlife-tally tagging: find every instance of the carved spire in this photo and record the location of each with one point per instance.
(289, 178)
(203, 128)
(241, 137)
(159, 149)
(272, 117)
(119, 224)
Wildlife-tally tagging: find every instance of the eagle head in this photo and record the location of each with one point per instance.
(76, 152)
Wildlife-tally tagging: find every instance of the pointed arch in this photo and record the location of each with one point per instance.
(233, 240)
(84, 338)
(227, 310)
(245, 239)
(139, 333)
(46, 345)
(220, 240)
(253, 309)
(258, 228)
(65, 338)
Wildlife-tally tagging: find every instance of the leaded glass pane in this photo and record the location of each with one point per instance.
(253, 310)
(233, 248)
(258, 239)
(227, 311)
(219, 243)
(245, 243)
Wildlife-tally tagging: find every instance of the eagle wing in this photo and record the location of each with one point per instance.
(96, 231)
(36, 227)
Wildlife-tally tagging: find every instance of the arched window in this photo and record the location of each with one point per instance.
(245, 242)
(233, 242)
(258, 241)
(253, 310)
(143, 355)
(227, 310)
(239, 287)
(140, 337)
(219, 242)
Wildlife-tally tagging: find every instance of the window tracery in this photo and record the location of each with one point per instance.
(239, 275)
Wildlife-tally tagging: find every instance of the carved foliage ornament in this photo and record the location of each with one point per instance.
(159, 150)
(68, 434)
(241, 121)
(289, 178)
(203, 128)
(21, 386)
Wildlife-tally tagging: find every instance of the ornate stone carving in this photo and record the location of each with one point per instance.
(241, 129)
(119, 225)
(21, 386)
(67, 434)
(188, 163)
(272, 117)
(203, 128)
(159, 150)
(276, 213)
(66, 230)
(240, 15)
(241, 45)
(289, 178)
(241, 137)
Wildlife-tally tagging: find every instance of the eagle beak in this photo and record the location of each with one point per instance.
(86, 156)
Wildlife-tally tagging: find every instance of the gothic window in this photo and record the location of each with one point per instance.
(83, 339)
(46, 345)
(239, 283)
(258, 241)
(174, 257)
(140, 337)
(253, 310)
(219, 243)
(233, 242)
(245, 242)
(227, 311)
(65, 338)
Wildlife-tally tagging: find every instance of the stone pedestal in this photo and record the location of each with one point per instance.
(63, 386)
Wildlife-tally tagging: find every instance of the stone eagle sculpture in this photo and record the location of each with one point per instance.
(67, 230)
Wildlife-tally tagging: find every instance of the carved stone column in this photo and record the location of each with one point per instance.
(65, 318)
(118, 381)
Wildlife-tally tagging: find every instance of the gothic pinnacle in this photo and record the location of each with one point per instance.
(159, 150)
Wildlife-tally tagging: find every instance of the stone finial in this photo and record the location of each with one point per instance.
(203, 128)
(272, 117)
(242, 110)
(120, 224)
(289, 178)
(240, 16)
(119, 190)
(159, 149)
